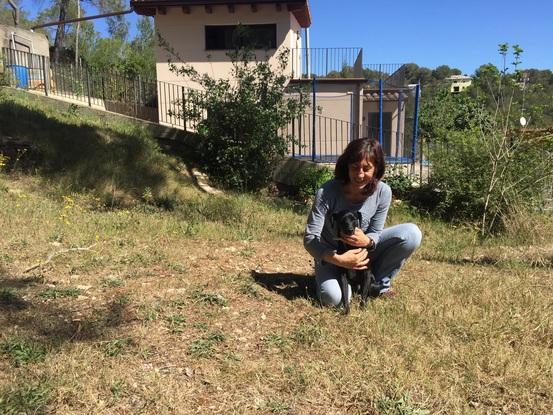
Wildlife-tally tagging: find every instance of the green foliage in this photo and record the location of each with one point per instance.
(239, 120)
(445, 113)
(399, 406)
(22, 351)
(53, 293)
(311, 178)
(484, 167)
(308, 334)
(399, 182)
(210, 298)
(204, 346)
(460, 171)
(25, 399)
(116, 347)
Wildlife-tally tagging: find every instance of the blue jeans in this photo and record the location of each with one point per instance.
(396, 244)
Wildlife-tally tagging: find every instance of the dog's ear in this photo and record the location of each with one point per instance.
(334, 218)
(359, 218)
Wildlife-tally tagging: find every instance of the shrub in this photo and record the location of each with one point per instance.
(490, 170)
(239, 119)
(399, 182)
(311, 178)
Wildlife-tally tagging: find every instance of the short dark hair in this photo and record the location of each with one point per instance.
(356, 151)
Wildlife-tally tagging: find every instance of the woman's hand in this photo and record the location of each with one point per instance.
(357, 258)
(358, 239)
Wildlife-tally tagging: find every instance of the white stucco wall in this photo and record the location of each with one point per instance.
(186, 35)
(25, 40)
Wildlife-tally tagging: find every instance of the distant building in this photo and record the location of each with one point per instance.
(459, 83)
(23, 50)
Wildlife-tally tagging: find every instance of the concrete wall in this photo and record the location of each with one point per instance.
(389, 138)
(186, 35)
(23, 40)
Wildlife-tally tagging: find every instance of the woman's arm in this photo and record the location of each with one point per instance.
(376, 223)
(352, 259)
(315, 223)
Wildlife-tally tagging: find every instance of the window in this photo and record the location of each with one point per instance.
(259, 36)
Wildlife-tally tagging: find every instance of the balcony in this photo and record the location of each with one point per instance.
(308, 63)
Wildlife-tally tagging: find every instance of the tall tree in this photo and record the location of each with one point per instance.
(60, 31)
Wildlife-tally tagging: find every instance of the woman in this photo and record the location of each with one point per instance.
(357, 187)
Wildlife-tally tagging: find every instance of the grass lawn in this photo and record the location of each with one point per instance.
(155, 298)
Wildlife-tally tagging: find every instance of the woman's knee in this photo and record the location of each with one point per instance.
(330, 293)
(411, 235)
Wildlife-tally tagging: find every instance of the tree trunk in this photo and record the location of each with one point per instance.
(60, 31)
(77, 34)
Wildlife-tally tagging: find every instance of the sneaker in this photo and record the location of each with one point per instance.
(388, 294)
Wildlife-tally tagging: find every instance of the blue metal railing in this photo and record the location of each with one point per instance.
(333, 135)
(391, 74)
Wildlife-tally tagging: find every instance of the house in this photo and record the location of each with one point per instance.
(24, 50)
(202, 31)
(459, 83)
(343, 107)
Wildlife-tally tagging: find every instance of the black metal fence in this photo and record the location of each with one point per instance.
(146, 99)
(326, 62)
(316, 137)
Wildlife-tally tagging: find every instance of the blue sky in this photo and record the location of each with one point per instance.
(461, 34)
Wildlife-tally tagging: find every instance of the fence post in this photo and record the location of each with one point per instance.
(313, 150)
(293, 138)
(398, 132)
(380, 110)
(88, 88)
(104, 89)
(415, 127)
(44, 74)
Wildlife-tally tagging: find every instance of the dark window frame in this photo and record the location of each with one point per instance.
(223, 37)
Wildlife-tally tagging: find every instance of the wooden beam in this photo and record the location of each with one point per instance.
(254, 7)
(208, 9)
(162, 9)
(186, 9)
(230, 8)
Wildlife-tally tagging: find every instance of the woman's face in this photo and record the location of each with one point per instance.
(360, 173)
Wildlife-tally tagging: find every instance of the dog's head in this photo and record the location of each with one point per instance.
(346, 221)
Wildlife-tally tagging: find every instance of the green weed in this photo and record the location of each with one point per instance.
(209, 298)
(25, 399)
(22, 351)
(112, 282)
(114, 348)
(276, 340)
(53, 293)
(308, 334)
(399, 406)
(204, 347)
(176, 323)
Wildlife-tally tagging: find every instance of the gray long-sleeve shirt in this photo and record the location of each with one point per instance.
(319, 236)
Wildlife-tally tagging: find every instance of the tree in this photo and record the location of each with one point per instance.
(485, 167)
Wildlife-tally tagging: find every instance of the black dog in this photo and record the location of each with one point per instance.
(345, 223)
